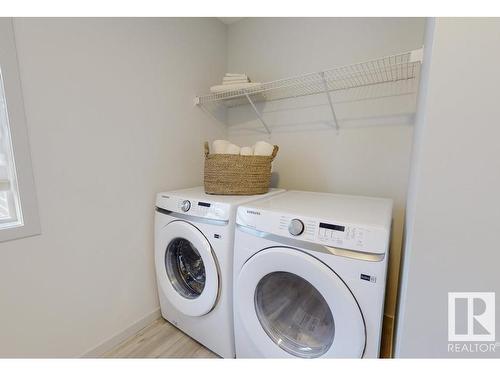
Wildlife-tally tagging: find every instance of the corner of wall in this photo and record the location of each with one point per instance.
(411, 196)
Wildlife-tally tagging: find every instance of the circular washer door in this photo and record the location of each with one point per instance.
(186, 269)
(291, 304)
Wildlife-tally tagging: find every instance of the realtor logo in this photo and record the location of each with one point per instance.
(471, 316)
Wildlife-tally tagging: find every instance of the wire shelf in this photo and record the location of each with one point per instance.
(390, 69)
(404, 66)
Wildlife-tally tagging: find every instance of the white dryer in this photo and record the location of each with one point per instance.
(194, 239)
(310, 274)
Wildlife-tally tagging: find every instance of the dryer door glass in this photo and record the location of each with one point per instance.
(294, 314)
(185, 268)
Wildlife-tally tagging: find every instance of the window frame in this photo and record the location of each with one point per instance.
(19, 137)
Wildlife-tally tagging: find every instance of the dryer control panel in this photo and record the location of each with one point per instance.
(191, 207)
(326, 232)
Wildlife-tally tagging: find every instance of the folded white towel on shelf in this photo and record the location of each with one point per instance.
(236, 75)
(263, 148)
(246, 151)
(219, 146)
(234, 81)
(233, 149)
(235, 78)
(228, 78)
(238, 86)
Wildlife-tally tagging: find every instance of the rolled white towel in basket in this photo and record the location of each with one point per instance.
(246, 151)
(219, 146)
(233, 149)
(263, 148)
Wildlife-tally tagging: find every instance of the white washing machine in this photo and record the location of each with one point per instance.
(310, 273)
(194, 239)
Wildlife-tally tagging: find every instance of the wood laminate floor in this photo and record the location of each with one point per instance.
(160, 340)
(387, 333)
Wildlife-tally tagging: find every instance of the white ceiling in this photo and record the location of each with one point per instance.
(230, 20)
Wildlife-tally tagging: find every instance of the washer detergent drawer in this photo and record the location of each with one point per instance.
(186, 268)
(293, 305)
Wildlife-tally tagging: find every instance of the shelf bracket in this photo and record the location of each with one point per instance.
(325, 85)
(258, 113)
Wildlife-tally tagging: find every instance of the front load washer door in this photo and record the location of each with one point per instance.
(187, 269)
(292, 305)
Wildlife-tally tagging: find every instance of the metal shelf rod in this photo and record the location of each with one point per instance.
(327, 92)
(258, 113)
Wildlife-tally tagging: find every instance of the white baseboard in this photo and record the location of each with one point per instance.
(113, 341)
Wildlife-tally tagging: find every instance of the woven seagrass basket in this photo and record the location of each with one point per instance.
(237, 174)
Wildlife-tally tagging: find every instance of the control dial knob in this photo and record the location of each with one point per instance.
(296, 227)
(185, 205)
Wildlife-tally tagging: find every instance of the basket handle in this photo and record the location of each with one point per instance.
(206, 149)
(275, 152)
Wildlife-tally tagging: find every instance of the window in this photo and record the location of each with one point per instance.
(18, 205)
(10, 210)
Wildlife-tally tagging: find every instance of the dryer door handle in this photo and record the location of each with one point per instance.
(353, 254)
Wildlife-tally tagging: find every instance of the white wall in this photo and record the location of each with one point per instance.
(453, 216)
(371, 154)
(111, 122)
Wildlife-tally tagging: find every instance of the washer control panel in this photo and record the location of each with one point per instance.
(208, 210)
(337, 234)
(326, 232)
